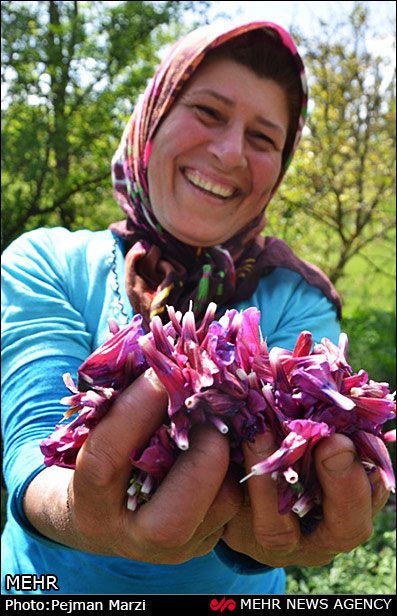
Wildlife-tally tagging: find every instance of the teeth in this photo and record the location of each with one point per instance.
(216, 189)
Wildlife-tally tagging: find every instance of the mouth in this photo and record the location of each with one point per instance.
(209, 186)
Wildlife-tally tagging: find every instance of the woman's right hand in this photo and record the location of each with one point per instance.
(86, 508)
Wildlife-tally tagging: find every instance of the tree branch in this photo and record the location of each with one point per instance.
(79, 188)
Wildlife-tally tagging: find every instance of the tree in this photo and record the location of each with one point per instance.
(72, 71)
(338, 198)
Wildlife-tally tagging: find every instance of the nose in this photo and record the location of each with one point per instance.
(228, 148)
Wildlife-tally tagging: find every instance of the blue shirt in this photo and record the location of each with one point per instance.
(59, 289)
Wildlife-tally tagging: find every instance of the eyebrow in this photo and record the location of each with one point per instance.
(230, 103)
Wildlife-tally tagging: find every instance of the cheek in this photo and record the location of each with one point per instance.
(175, 137)
(265, 173)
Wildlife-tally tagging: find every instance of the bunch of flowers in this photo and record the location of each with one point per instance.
(223, 373)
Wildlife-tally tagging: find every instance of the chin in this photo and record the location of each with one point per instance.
(200, 240)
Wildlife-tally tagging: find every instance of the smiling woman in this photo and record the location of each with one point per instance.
(217, 156)
(202, 154)
(199, 163)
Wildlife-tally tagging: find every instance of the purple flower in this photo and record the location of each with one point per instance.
(158, 457)
(223, 373)
(215, 401)
(303, 433)
(62, 447)
(318, 382)
(215, 344)
(277, 358)
(371, 448)
(117, 362)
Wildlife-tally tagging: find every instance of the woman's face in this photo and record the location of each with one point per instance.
(217, 155)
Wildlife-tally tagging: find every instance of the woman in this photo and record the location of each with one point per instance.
(201, 157)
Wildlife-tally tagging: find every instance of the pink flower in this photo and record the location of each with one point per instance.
(223, 373)
(159, 456)
(372, 449)
(168, 372)
(303, 345)
(248, 343)
(117, 362)
(335, 355)
(63, 446)
(303, 433)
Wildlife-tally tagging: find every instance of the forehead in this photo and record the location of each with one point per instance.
(237, 86)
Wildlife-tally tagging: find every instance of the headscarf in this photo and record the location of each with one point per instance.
(160, 269)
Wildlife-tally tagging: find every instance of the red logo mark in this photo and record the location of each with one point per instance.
(222, 604)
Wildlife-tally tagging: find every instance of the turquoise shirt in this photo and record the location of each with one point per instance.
(59, 289)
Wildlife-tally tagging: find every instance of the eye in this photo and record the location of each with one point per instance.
(262, 138)
(208, 112)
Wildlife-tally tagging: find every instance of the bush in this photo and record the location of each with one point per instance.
(372, 335)
(369, 569)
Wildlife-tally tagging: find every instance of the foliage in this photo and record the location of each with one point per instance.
(372, 335)
(72, 72)
(338, 197)
(369, 569)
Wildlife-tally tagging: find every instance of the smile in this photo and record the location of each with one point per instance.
(208, 185)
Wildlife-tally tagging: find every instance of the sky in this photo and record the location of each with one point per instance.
(304, 15)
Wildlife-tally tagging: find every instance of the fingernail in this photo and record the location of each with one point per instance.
(263, 444)
(339, 462)
(152, 377)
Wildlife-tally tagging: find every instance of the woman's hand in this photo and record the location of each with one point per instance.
(196, 504)
(86, 508)
(349, 503)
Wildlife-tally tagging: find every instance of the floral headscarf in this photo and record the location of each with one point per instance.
(161, 270)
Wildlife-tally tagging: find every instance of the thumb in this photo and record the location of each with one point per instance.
(260, 448)
(346, 491)
(273, 530)
(129, 424)
(335, 456)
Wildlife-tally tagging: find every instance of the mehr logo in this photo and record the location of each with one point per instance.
(223, 604)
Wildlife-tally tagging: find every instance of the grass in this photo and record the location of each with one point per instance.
(369, 569)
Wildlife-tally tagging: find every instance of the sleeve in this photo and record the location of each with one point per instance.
(42, 308)
(289, 305)
(30, 410)
(43, 335)
(239, 563)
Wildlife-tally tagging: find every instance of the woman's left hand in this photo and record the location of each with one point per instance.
(349, 505)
